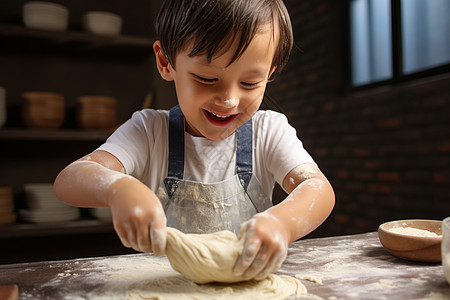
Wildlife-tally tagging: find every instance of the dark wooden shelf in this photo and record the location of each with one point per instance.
(75, 63)
(54, 134)
(86, 226)
(19, 38)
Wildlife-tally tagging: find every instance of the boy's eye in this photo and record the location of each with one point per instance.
(249, 84)
(205, 80)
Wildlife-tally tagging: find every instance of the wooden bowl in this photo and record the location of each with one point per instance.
(7, 214)
(43, 109)
(96, 112)
(412, 240)
(6, 197)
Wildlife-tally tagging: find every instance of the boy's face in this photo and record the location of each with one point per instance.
(217, 98)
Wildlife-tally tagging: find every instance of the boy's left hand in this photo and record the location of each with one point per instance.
(265, 247)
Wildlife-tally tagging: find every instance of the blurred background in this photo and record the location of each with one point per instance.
(367, 88)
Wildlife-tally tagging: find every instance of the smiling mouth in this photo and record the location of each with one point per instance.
(219, 119)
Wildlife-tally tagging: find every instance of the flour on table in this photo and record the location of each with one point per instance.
(179, 287)
(435, 296)
(311, 278)
(144, 276)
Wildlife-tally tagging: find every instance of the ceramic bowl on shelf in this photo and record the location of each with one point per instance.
(96, 112)
(102, 23)
(417, 240)
(45, 15)
(43, 109)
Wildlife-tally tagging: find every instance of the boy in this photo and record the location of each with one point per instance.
(210, 163)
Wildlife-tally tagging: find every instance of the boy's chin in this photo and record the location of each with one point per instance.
(220, 134)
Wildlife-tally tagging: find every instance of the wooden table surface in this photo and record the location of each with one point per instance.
(343, 267)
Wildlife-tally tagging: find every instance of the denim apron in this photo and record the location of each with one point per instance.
(195, 207)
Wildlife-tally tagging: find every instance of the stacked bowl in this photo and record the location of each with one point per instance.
(43, 109)
(7, 215)
(102, 23)
(44, 207)
(45, 15)
(96, 112)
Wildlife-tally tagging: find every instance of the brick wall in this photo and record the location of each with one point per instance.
(385, 150)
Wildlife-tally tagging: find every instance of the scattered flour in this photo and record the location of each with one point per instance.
(434, 296)
(144, 276)
(446, 265)
(311, 278)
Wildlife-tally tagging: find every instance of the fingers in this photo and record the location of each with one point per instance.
(124, 233)
(272, 266)
(144, 237)
(264, 250)
(158, 236)
(143, 241)
(251, 248)
(247, 258)
(258, 264)
(266, 261)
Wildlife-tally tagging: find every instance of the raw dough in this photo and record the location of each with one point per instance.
(204, 258)
(207, 258)
(273, 287)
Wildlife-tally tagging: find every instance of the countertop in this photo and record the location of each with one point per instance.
(342, 267)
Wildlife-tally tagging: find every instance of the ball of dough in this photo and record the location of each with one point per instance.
(204, 258)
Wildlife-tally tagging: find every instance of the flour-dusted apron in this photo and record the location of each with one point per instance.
(195, 207)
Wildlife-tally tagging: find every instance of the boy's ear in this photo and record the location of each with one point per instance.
(163, 65)
(271, 73)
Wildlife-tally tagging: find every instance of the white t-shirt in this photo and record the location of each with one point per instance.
(141, 145)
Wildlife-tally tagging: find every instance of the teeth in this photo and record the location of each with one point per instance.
(219, 116)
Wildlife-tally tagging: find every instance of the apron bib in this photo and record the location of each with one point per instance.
(195, 207)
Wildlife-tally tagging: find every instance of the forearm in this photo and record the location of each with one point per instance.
(86, 183)
(305, 208)
(96, 181)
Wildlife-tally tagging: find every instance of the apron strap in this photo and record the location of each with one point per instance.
(176, 143)
(244, 151)
(176, 150)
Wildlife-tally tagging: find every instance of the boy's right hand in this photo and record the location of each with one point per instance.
(138, 216)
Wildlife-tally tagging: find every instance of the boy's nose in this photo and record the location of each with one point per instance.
(227, 102)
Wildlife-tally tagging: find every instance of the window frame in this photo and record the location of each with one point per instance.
(397, 54)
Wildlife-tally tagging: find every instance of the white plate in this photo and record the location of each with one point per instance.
(101, 213)
(36, 203)
(42, 196)
(38, 186)
(44, 216)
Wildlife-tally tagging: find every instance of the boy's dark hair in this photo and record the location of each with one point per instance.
(211, 24)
